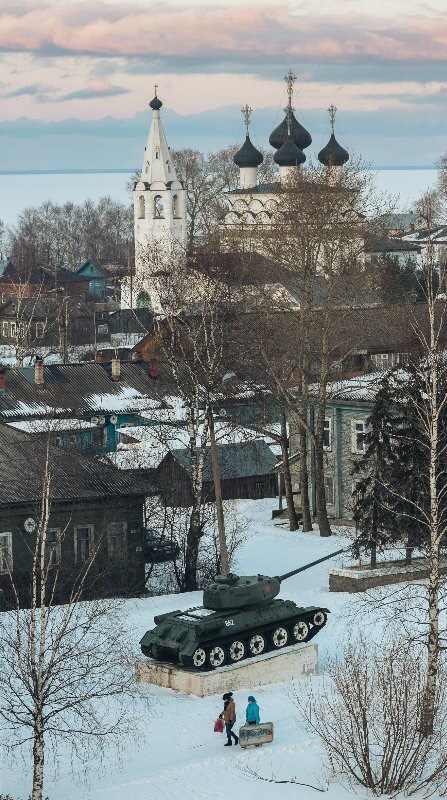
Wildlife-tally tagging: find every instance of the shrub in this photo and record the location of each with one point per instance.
(368, 719)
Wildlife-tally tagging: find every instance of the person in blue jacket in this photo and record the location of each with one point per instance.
(252, 712)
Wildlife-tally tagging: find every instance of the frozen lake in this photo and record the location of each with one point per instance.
(18, 191)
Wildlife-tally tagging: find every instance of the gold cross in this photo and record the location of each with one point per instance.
(290, 79)
(332, 112)
(246, 113)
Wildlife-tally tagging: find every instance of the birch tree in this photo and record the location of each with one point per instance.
(316, 244)
(192, 333)
(66, 672)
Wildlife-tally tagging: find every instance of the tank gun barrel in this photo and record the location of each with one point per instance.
(286, 575)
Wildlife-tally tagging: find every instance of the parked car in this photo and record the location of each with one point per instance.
(158, 547)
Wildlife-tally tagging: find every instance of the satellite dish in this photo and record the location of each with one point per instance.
(113, 419)
(30, 525)
(94, 420)
(101, 420)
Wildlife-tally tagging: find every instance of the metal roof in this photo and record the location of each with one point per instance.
(82, 389)
(23, 461)
(241, 460)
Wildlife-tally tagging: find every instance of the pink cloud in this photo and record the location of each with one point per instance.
(214, 31)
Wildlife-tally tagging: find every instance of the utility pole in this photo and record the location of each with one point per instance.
(224, 566)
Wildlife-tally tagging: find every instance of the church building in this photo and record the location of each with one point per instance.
(159, 199)
(257, 204)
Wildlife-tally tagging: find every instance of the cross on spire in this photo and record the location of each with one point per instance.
(332, 110)
(155, 89)
(246, 113)
(290, 79)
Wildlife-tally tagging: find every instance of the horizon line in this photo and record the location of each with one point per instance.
(123, 170)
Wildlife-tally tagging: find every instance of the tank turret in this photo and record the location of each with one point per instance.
(240, 618)
(248, 591)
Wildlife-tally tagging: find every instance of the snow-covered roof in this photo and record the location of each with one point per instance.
(51, 425)
(363, 388)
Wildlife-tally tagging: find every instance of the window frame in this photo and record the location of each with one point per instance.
(355, 434)
(329, 492)
(327, 429)
(9, 554)
(40, 326)
(91, 541)
(56, 547)
(112, 554)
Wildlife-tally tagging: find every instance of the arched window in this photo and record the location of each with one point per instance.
(158, 206)
(175, 206)
(141, 207)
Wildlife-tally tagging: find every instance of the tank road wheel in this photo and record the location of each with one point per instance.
(236, 651)
(280, 637)
(256, 644)
(319, 619)
(300, 631)
(217, 656)
(199, 658)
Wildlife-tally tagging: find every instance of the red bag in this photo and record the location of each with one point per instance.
(219, 725)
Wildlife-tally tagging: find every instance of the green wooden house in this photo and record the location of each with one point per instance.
(92, 507)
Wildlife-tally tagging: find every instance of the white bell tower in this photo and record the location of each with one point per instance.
(159, 214)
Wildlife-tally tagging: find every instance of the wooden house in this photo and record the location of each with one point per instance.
(246, 471)
(91, 505)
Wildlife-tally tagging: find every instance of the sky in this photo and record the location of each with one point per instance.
(76, 76)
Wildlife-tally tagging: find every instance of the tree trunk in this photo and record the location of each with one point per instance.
(291, 512)
(304, 481)
(323, 521)
(373, 559)
(429, 701)
(192, 550)
(38, 759)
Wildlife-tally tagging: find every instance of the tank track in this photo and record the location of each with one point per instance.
(267, 631)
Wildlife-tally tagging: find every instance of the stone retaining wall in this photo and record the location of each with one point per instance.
(353, 579)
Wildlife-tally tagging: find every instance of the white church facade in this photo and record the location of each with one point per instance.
(159, 199)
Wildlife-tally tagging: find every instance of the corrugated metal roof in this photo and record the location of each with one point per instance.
(241, 460)
(82, 389)
(23, 461)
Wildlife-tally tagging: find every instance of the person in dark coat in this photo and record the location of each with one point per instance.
(252, 711)
(229, 717)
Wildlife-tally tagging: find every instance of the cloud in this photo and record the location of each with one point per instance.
(92, 91)
(33, 90)
(266, 32)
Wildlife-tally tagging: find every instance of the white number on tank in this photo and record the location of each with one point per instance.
(229, 622)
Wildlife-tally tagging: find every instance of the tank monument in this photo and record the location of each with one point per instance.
(241, 630)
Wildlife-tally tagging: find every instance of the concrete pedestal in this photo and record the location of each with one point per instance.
(289, 664)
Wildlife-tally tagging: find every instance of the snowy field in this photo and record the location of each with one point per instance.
(180, 757)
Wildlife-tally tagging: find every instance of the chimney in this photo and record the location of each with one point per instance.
(116, 369)
(2, 379)
(153, 368)
(38, 371)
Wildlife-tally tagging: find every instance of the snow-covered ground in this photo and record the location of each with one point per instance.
(181, 758)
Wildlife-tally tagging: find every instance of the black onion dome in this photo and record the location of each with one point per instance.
(248, 156)
(155, 104)
(289, 155)
(333, 155)
(300, 136)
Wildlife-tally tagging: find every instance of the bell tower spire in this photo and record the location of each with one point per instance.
(159, 214)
